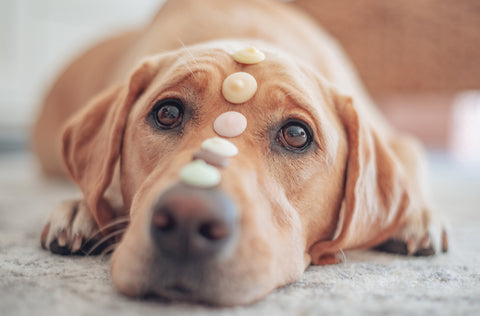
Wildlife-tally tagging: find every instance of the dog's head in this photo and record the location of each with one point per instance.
(296, 193)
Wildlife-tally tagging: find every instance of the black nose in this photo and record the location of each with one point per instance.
(193, 223)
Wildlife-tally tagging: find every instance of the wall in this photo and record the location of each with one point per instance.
(38, 37)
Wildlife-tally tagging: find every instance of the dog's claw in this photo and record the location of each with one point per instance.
(411, 245)
(425, 242)
(43, 238)
(77, 243)
(444, 241)
(62, 238)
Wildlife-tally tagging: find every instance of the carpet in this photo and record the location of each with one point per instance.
(35, 282)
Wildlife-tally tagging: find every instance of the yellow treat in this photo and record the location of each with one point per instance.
(239, 87)
(200, 174)
(249, 56)
(220, 146)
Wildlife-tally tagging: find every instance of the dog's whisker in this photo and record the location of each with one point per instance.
(184, 62)
(343, 256)
(108, 250)
(104, 240)
(124, 221)
(118, 221)
(188, 51)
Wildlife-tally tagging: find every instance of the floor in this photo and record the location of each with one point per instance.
(35, 282)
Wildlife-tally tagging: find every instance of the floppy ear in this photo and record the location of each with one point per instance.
(375, 196)
(92, 139)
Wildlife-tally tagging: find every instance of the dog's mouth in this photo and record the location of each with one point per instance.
(178, 291)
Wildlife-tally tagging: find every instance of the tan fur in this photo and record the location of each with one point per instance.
(290, 205)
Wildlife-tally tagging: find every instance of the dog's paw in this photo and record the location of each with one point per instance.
(71, 229)
(421, 236)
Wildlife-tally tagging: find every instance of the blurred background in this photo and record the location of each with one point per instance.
(420, 60)
(40, 37)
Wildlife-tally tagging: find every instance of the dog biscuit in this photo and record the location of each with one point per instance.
(230, 124)
(200, 174)
(239, 87)
(220, 146)
(249, 56)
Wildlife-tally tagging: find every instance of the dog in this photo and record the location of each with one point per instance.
(318, 170)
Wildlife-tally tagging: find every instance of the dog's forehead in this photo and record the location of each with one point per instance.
(220, 55)
(213, 62)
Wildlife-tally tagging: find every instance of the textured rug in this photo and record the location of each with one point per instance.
(35, 282)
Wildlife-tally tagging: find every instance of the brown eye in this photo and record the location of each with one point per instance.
(168, 113)
(294, 136)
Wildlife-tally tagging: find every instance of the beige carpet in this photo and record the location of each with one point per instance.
(34, 282)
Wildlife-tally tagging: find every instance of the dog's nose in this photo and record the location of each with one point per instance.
(193, 223)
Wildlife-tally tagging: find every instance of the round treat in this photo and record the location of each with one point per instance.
(220, 146)
(200, 174)
(239, 87)
(249, 56)
(230, 124)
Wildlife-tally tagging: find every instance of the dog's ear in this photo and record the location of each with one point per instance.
(92, 139)
(375, 195)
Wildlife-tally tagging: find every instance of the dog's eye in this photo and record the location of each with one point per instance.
(168, 113)
(294, 136)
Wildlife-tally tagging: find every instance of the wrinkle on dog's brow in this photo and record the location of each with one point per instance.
(185, 68)
(179, 80)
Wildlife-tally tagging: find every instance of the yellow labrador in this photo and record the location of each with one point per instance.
(318, 170)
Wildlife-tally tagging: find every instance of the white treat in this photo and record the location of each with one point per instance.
(230, 124)
(200, 174)
(249, 56)
(220, 146)
(239, 87)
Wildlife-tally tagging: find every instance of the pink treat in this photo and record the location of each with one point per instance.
(230, 124)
